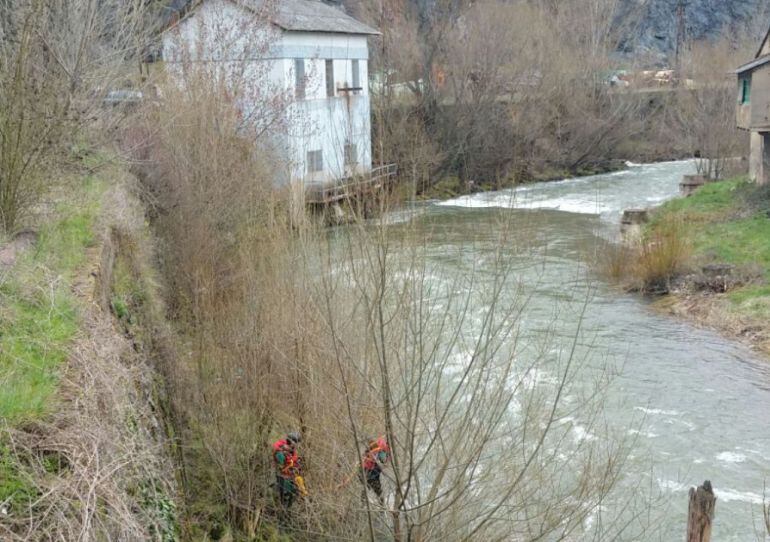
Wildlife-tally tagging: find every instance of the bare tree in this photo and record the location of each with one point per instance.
(766, 515)
(705, 112)
(505, 90)
(57, 61)
(479, 450)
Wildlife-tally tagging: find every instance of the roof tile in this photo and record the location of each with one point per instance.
(311, 16)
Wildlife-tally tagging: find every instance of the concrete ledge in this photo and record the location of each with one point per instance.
(634, 217)
(691, 183)
(631, 225)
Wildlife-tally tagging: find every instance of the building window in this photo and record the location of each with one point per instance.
(745, 91)
(330, 78)
(299, 78)
(351, 154)
(315, 161)
(356, 76)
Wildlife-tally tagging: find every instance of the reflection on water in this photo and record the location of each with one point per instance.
(703, 401)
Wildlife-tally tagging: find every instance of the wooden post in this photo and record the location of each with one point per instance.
(701, 513)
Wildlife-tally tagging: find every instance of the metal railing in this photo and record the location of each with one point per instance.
(355, 185)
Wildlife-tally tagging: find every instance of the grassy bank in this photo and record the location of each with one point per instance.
(39, 316)
(726, 227)
(81, 402)
(37, 310)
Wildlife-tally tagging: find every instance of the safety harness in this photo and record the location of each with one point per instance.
(289, 468)
(372, 458)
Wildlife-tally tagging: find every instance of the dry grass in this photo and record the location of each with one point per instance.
(662, 255)
(649, 266)
(614, 262)
(254, 358)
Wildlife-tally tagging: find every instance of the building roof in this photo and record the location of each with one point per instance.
(754, 64)
(290, 15)
(311, 16)
(172, 10)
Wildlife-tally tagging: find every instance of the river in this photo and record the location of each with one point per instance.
(698, 402)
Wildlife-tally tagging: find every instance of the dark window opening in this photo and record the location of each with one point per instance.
(299, 78)
(745, 91)
(315, 161)
(351, 154)
(330, 78)
(356, 76)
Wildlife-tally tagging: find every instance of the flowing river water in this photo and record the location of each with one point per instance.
(697, 403)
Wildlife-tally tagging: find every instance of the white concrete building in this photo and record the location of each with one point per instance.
(313, 56)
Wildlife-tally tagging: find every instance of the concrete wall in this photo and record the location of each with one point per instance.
(222, 41)
(322, 45)
(760, 98)
(765, 176)
(327, 124)
(220, 31)
(759, 160)
(260, 60)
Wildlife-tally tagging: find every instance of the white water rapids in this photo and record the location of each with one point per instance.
(698, 403)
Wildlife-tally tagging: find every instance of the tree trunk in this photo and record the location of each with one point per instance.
(701, 513)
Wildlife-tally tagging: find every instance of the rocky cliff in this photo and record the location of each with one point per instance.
(652, 24)
(649, 27)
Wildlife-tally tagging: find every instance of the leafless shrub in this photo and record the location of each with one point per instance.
(252, 364)
(649, 266)
(661, 257)
(614, 261)
(58, 60)
(478, 442)
(766, 514)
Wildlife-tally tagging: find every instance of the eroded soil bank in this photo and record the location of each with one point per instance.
(723, 279)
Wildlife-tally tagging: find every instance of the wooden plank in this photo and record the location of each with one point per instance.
(350, 187)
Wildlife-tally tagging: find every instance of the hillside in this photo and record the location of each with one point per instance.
(650, 26)
(653, 23)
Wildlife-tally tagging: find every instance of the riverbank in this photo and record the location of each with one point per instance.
(725, 281)
(83, 447)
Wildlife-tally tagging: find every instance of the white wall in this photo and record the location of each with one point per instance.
(219, 30)
(221, 40)
(259, 61)
(322, 45)
(759, 159)
(327, 125)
